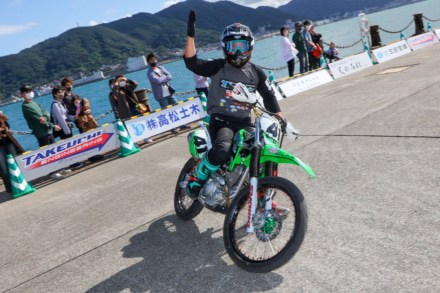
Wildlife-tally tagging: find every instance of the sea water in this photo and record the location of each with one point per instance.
(266, 54)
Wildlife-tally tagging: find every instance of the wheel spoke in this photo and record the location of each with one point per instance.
(268, 240)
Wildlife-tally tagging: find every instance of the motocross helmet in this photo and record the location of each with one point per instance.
(237, 42)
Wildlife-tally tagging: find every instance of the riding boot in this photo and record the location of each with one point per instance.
(198, 176)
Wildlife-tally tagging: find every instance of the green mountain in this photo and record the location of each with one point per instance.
(85, 49)
(319, 9)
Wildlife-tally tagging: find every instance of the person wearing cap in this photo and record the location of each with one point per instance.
(38, 120)
(300, 45)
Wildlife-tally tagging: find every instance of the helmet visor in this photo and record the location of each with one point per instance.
(237, 45)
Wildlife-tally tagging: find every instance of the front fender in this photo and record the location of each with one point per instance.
(277, 155)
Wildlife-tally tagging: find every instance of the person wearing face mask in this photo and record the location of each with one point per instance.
(300, 45)
(69, 101)
(59, 113)
(310, 45)
(38, 120)
(124, 99)
(160, 84)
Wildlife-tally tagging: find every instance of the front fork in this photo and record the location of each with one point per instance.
(253, 174)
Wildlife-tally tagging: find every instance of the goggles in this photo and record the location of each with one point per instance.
(236, 45)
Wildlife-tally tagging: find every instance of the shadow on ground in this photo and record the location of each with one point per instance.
(177, 257)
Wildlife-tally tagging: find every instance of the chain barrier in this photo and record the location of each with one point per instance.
(274, 69)
(185, 93)
(30, 133)
(396, 32)
(345, 47)
(433, 20)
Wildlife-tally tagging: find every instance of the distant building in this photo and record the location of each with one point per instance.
(96, 75)
(136, 63)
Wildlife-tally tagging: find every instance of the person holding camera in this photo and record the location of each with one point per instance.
(124, 100)
(124, 97)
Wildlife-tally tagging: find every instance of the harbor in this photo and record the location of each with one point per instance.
(372, 139)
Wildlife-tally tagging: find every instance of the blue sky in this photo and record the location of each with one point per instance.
(24, 23)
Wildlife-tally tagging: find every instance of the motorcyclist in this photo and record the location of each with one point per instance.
(227, 116)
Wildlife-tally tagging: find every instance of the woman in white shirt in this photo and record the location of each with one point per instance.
(288, 50)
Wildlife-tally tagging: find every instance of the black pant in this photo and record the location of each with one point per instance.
(202, 90)
(313, 62)
(291, 67)
(6, 149)
(303, 62)
(45, 140)
(222, 129)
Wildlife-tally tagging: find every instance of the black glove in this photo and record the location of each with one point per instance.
(192, 23)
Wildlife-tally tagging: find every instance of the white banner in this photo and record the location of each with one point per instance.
(164, 120)
(391, 51)
(422, 40)
(63, 153)
(437, 31)
(350, 65)
(305, 82)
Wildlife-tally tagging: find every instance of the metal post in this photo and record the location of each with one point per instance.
(375, 36)
(418, 20)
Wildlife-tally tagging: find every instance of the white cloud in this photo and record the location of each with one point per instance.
(93, 23)
(257, 3)
(110, 11)
(170, 3)
(15, 3)
(6, 29)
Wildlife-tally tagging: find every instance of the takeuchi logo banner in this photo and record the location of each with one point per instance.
(66, 150)
(63, 153)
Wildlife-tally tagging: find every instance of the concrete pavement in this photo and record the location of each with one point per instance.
(374, 209)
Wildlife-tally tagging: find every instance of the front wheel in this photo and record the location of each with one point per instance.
(185, 207)
(280, 234)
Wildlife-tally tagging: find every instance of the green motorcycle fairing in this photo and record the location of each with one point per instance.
(270, 152)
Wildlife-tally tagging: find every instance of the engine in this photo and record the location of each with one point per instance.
(213, 193)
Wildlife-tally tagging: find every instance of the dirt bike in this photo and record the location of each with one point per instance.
(258, 235)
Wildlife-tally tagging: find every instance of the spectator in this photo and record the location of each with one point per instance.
(300, 44)
(69, 101)
(313, 62)
(113, 99)
(8, 145)
(159, 79)
(38, 120)
(86, 122)
(317, 40)
(124, 99)
(59, 113)
(332, 53)
(288, 50)
(201, 84)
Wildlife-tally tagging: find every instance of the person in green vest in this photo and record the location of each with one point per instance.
(300, 45)
(38, 120)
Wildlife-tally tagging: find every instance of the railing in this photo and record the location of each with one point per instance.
(419, 29)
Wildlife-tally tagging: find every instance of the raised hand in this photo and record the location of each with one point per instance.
(192, 23)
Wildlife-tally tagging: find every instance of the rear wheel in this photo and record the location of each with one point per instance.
(186, 208)
(279, 233)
